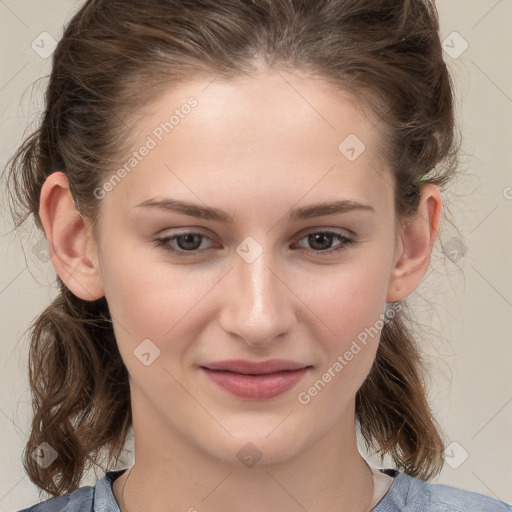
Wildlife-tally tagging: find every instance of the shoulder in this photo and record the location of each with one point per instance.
(415, 495)
(85, 499)
(80, 500)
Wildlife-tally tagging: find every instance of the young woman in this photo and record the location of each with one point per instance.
(238, 198)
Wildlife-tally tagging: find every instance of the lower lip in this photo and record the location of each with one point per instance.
(256, 387)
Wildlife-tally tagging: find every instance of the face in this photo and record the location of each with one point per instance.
(260, 281)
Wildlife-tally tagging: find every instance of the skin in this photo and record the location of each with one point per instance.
(256, 147)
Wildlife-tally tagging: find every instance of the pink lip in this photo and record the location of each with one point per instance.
(255, 381)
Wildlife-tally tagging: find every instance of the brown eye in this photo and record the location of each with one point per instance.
(321, 241)
(187, 243)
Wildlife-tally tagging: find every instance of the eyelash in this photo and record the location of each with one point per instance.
(164, 242)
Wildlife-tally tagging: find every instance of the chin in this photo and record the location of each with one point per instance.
(256, 449)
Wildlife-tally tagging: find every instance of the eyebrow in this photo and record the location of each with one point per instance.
(215, 214)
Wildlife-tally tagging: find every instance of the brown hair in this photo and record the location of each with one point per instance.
(113, 59)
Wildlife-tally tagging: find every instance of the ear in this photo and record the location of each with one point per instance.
(414, 244)
(72, 248)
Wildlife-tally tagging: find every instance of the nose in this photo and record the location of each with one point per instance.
(257, 302)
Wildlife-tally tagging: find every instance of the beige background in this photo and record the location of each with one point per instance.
(467, 329)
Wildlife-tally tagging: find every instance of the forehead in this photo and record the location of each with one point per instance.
(275, 133)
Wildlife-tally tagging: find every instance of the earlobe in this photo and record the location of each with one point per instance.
(69, 238)
(414, 248)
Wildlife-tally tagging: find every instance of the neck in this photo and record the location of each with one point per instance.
(169, 472)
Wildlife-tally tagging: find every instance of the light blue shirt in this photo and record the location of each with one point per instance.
(406, 494)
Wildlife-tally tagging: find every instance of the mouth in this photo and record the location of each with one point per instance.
(247, 367)
(255, 380)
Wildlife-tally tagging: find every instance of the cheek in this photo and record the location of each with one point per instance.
(152, 299)
(347, 299)
(351, 305)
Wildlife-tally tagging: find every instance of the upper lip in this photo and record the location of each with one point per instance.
(254, 368)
